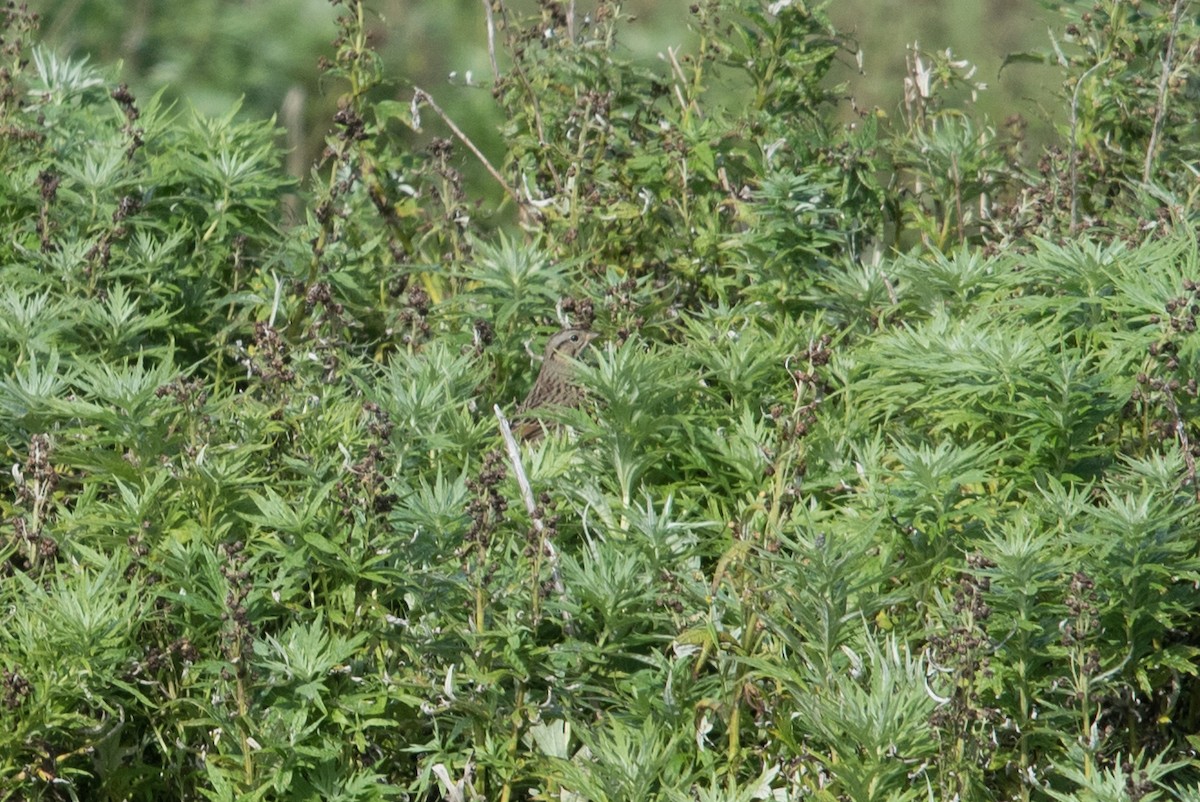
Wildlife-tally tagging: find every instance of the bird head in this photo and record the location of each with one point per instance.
(568, 343)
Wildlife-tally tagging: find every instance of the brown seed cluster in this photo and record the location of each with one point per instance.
(810, 391)
(191, 397)
(966, 648)
(16, 688)
(48, 184)
(35, 504)
(271, 360)
(157, 660)
(365, 486)
(486, 508)
(1166, 389)
(579, 309)
(623, 308)
(128, 104)
(237, 638)
(483, 334)
(1080, 630)
(413, 319)
(539, 538)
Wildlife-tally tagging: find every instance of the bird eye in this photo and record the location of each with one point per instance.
(574, 338)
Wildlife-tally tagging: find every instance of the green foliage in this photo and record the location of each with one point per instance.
(1129, 140)
(835, 520)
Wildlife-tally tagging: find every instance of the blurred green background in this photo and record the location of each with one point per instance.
(213, 53)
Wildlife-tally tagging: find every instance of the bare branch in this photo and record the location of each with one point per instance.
(421, 96)
(1164, 80)
(491, 35)
(1073, 154)
(514, 457)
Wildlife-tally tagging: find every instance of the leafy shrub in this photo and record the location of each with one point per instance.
(837, 520)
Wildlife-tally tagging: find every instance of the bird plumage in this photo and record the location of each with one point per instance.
(555, 385)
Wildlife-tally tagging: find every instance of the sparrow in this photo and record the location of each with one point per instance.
(555, 386)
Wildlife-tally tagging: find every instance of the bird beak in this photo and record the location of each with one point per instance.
(591, 335)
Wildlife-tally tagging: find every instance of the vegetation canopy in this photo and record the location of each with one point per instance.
(880, 482)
